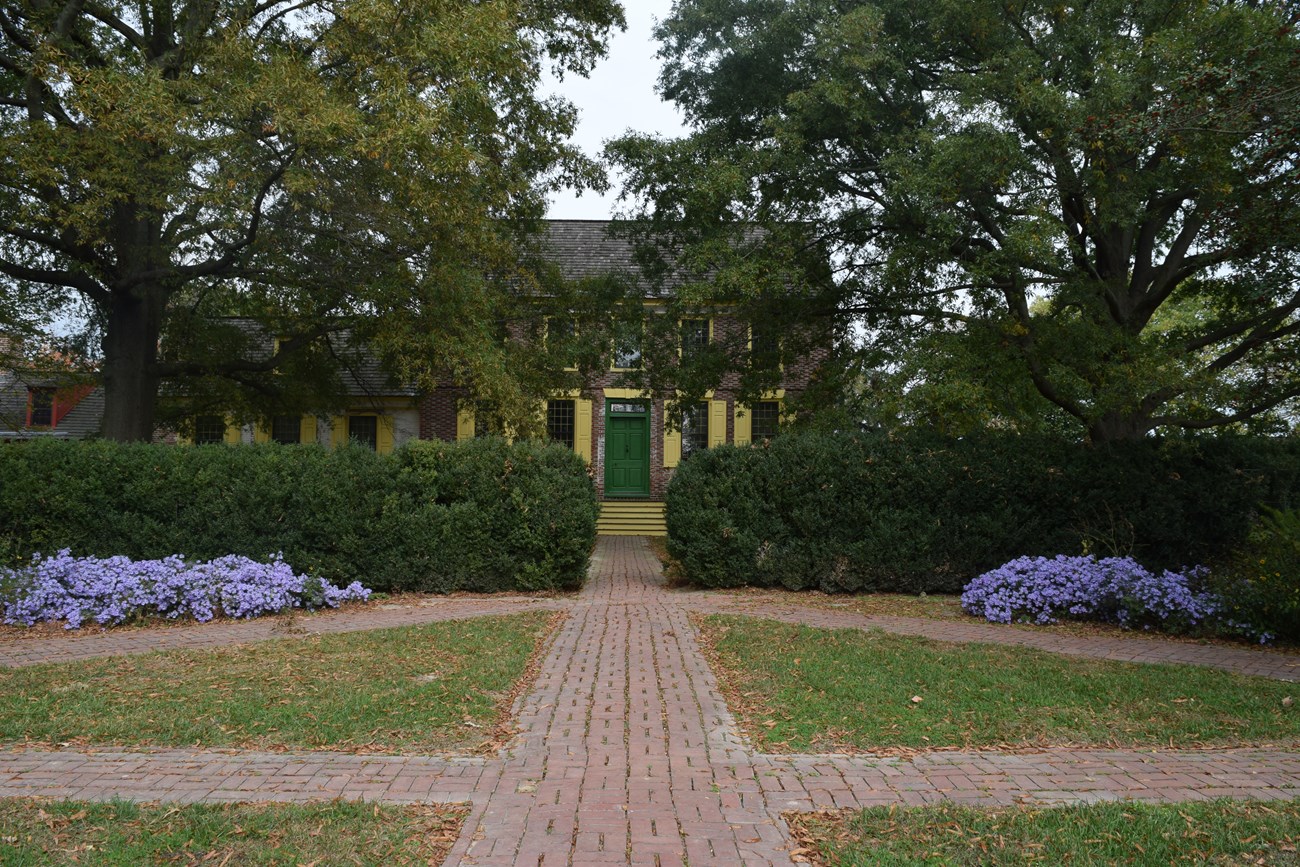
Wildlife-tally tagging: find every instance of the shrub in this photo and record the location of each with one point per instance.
(1112, 590)
(854, 512)
(116, 589)
(1261, 585)
(487, 515)
(483, 515)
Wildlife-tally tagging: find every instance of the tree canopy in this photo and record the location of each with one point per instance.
(312, 166)
(1090, 208)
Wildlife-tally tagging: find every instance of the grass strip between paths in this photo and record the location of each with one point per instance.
(1215, 832)
(36, 833)
(803, 690)
(418, 689)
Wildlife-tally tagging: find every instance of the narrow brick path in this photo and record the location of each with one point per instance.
(67, 648)
(1264, 663)
(626, 754)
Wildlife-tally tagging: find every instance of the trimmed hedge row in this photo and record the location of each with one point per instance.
(482, 515)
(847, 512)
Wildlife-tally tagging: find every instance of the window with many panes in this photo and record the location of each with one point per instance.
(627, 346)
(764, 347)
(286, 429)
(695, 337)
(364, 430)
(42, 407)
(766, 420)
(559, 421)
(695, 428)
(209, 429)
(560, 332)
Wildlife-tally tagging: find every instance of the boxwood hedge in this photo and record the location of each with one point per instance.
(483, 515)
(917, 513)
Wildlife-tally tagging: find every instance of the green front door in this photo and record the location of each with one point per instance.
(627, 449)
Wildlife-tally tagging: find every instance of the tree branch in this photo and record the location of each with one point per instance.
(50, 277)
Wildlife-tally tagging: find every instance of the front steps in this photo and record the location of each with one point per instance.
(631, 518)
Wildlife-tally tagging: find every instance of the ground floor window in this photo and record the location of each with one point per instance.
(364, 430)
(560, 421)
(695, 428)
(766, 420)
(209, 429)
(286, 429)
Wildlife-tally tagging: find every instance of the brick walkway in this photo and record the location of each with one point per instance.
(626, 754)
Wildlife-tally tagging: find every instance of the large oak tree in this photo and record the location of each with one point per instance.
(312, 166)
(1100, 198)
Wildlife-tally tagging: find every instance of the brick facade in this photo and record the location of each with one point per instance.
(439, 408)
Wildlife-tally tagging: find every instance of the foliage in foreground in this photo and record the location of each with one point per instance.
(818, 690)
(484, 515)
(854, 512)
(1217, 832)
(117, 589)
(1088, 209)
(1111, 590)
(1261, 585)
(418, 689)
(40, 833)
(308, 164)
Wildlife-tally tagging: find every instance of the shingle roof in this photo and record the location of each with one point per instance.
(587, 248)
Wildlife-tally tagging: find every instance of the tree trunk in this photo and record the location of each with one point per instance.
(1116, 427)
(131, 364)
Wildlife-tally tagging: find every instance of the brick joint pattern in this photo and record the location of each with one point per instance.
(627, 754)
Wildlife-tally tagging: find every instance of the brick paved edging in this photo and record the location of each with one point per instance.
(627, 754)
(798, 783)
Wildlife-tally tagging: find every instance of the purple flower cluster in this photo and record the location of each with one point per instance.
(111, 590)
(1115, 590)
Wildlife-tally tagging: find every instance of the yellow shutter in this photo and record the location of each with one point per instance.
(338, 430)
(261, 434)
(672, 443)
(465, 424)
(307, 429)
(742, 436)
(234, 435)
(582, 428)
(384, 434)
(717, 422)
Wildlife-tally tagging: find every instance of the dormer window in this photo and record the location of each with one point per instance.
(40, 407)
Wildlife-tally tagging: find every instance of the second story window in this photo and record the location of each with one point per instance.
(695, 337)
(209, 429)
(559, 421)
(41, 402)
(627, 347)
(695, 428)
(764, 347)
(560, 333)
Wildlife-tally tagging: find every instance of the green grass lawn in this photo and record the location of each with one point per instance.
(35, 832)
(440, 686)
(800, 689)
(1219, 832)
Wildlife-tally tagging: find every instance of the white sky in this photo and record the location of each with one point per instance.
(617, 97)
